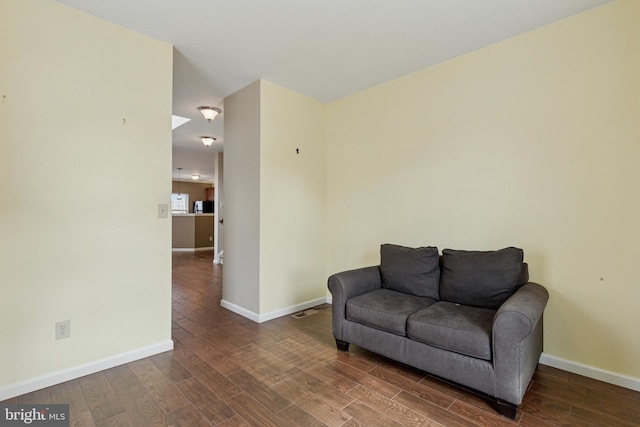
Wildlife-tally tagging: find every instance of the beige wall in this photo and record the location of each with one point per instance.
(292, 198)
(88, 103)
(274, 200)
(241, 283)
(532, 142)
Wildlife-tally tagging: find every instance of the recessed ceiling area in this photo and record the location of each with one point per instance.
(324, 49)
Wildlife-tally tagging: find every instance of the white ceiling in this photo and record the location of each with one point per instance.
(326, 49)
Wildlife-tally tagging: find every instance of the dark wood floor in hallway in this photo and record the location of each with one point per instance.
(226, 370)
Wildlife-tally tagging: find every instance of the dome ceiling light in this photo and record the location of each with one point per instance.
(210, 113)
(207, 140)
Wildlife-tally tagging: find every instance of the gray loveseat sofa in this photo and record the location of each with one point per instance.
(471, 317)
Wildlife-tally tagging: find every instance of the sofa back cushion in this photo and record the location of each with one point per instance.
(484, 279)
(413, 271)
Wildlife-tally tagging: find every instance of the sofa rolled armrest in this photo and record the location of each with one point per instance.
(517, 340)
(346, 285)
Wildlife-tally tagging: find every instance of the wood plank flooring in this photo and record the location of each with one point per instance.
(228, 371)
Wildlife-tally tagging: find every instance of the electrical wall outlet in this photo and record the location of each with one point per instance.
(63, 329)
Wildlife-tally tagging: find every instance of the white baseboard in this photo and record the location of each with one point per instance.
(47, 380)
(259, 318)
(591, 372)
(292, 309)
(240, 310)
(207, 248)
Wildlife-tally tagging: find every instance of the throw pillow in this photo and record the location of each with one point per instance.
(484, 279)
(412, 271)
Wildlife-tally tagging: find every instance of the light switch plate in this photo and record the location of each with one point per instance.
(163, 210)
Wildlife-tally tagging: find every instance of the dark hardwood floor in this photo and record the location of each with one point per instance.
(228, 371)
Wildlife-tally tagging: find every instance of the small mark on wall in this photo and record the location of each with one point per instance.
(297, 151)
(123, 121)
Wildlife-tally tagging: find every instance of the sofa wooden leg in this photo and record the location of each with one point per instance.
(507, 409)
(342, 346)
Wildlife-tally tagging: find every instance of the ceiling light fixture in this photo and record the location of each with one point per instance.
(210, 113)
(207, 140)
(195, 177)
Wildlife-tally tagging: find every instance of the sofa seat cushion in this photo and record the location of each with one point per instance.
(385, 309)
(454, 327)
